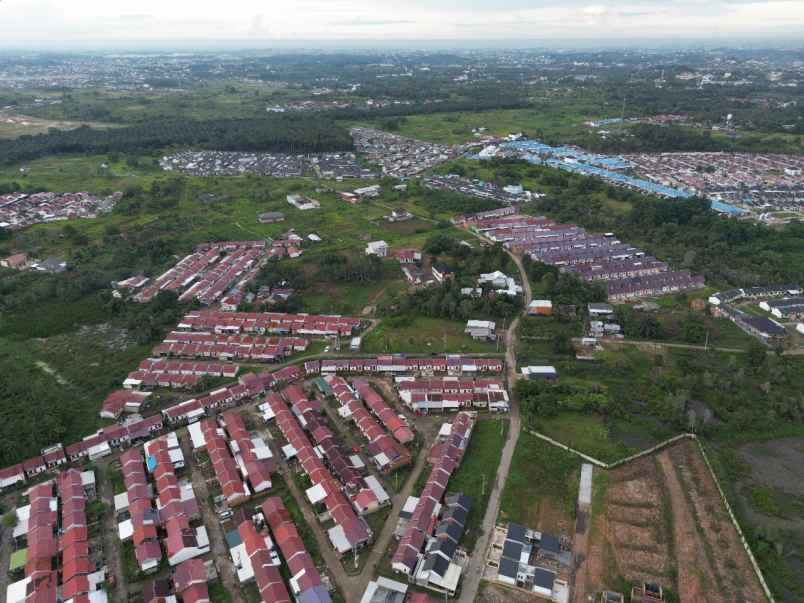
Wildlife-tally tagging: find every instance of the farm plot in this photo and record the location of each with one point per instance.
(661, 520)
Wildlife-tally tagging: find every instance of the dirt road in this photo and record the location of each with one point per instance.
(384, 539)
(473, 572)
(218, 547)
(111, 544)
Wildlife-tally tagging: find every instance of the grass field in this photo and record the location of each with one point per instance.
(13, 125)
(585, 432)
(423, 335)
(242, 199)
(454, 128)
(542, 486)
(475, 477)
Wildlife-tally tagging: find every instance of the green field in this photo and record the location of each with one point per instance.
(555, 121)
(423, 335)
(542, 486)
(477, 473)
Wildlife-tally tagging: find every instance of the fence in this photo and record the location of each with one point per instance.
(655, 449)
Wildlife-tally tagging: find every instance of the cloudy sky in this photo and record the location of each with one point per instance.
(49, 22)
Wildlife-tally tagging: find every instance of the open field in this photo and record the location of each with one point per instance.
(554, 122)
(663, 521)
(211, 100)
(13, 125)
(585, 432)
(657, 519)
(424, 335)
(477, 473)
(542, 486)
(761, 473)
(61, 381)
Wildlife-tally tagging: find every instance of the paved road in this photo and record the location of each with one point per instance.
(473, 573)
(111, 544)
(218, 547)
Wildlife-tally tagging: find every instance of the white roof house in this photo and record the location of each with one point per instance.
(481, 329)
(384, 590)
(378, 248)
(539, 372)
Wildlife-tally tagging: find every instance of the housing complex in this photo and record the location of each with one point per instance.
(20, 210)
(626, 271)
(210, 272)
(277, 165)
(428, 542)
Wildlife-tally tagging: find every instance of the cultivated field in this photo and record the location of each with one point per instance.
(661, 519)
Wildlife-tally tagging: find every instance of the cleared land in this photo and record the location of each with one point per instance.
(455, 128)
(662, 520)
(423, 335)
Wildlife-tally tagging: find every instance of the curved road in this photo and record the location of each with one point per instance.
(473, 572)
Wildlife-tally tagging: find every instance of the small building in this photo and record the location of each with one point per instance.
(535, 373)
(51, 265)
(368, 191)
(442, 272)
(303, 203)
(384, 590)
(271, 217)
(399, 215)
(18, 261)
(598, 309)
(408, 256)
(355, 344)
(378, 248)
(540, 307)
(481, 330)
(350, 198)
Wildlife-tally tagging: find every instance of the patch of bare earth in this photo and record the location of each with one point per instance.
(726, 560)
(493, 593)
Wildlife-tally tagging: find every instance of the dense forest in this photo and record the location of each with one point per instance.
(291, 134)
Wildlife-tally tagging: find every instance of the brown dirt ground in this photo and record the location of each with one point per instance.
(730, 565)
(493, 593)
(664, 522)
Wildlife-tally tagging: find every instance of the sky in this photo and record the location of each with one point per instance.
(49, 23)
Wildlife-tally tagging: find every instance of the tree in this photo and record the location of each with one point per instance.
(10, 520)
(757, 354)
(562, 344)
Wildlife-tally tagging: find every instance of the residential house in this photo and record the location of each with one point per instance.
(442, 272)
(482, 330)
(378, 248)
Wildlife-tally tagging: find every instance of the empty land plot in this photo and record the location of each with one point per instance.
(542, 486)
(661, 519)
(728, 563)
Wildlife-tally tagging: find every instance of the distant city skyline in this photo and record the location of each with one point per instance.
(48, 24)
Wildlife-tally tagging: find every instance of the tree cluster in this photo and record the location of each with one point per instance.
(291, 134)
